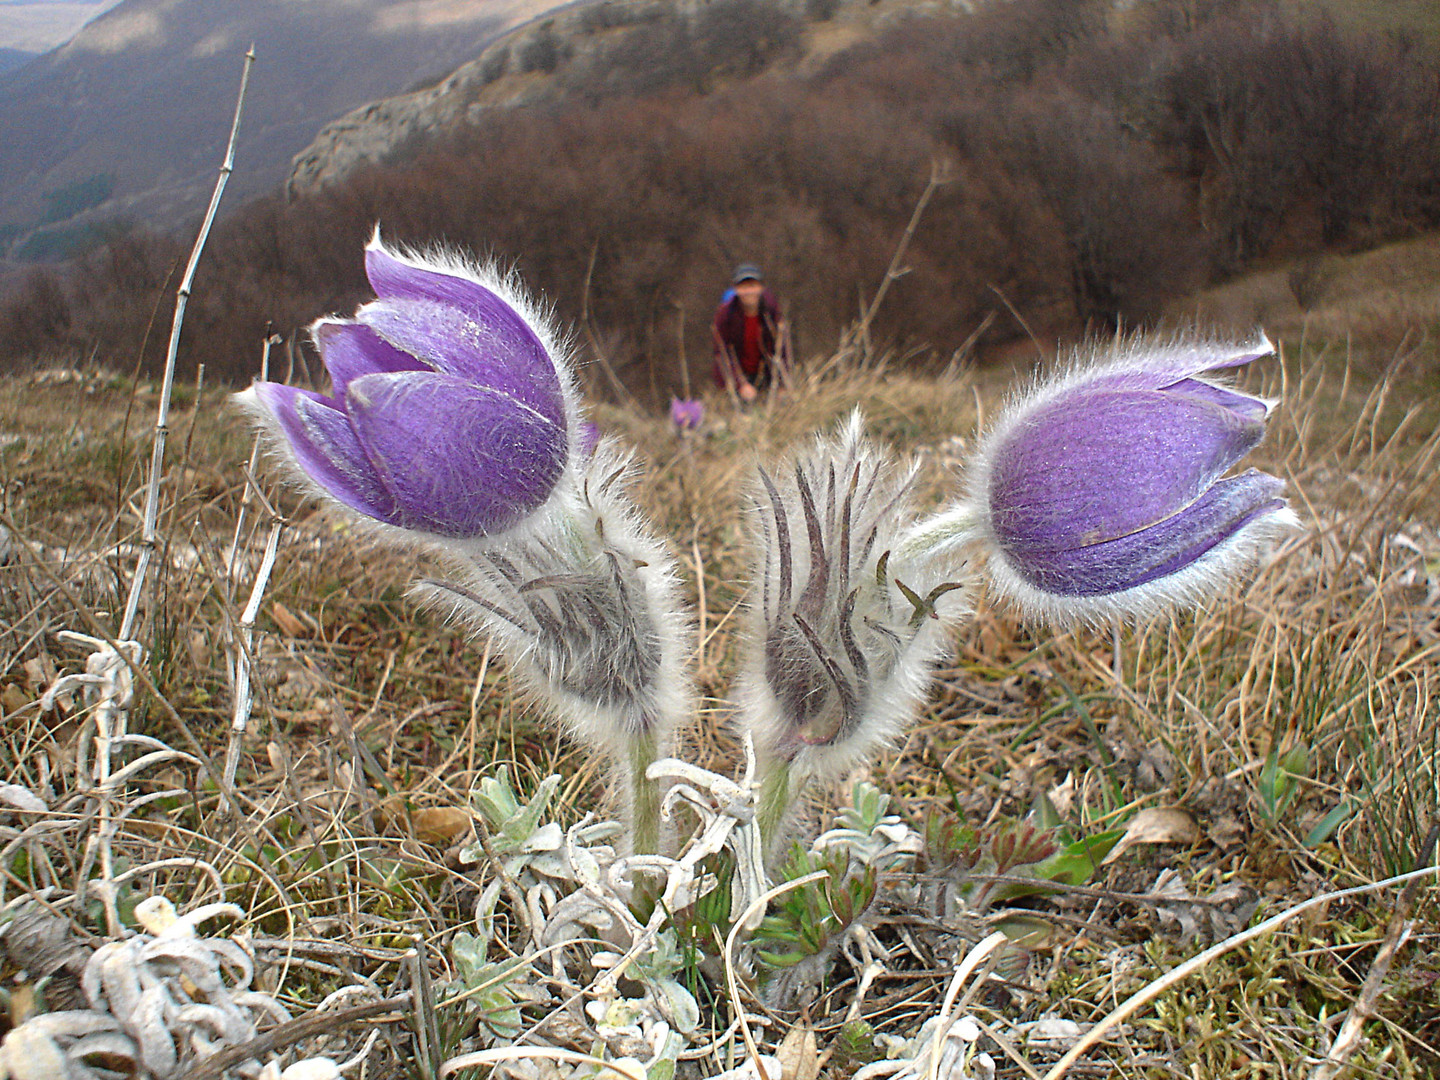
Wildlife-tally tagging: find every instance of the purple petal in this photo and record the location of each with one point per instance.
(1169, 546)
(1092, 467)
(456, 342)
(393, 279)
(459, 459)
(326, 448)
(1226, 397)
(1157, 368)
(351, 350)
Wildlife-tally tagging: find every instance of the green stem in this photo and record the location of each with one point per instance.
(775, 799)
(644, 796)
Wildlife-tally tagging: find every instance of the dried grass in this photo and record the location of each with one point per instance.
(1295, 722)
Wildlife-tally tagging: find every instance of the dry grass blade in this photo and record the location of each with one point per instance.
(732, 983)
(500, 1055)
(1143, 997)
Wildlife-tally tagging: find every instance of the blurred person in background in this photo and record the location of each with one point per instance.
(751, 338)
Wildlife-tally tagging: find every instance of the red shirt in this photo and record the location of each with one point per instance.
(752, 349)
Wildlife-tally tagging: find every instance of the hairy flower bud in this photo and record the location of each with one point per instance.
(848, 615)
(588, 611)
(1102, 491)
(586, 608)
(451, 411)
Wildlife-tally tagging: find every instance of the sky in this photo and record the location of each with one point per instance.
(40, 25)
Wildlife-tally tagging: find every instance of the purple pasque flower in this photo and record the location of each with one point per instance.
(687, 414)
(1104, 491)
(451, 407)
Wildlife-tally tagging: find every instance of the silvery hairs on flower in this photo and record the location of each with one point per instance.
(1101, 491)
(847, 615)
(587, 607)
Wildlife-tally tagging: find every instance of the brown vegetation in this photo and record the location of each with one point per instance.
(1099, 166)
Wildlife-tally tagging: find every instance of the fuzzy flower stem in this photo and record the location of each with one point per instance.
(776, 796)
(644, 795)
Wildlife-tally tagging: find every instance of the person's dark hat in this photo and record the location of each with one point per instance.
(747, 272)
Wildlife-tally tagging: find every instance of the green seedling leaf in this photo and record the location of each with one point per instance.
(1073, 864)
(1278, 784)
(1044, 814)
(781, 960)
(1327, 825)
(677, 1003)
(1115, 795)
(1076, 862)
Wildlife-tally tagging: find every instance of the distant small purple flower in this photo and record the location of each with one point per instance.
(449, 413)
(1104, 491)
(687, 414)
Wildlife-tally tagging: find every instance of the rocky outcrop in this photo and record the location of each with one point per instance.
(526, 66)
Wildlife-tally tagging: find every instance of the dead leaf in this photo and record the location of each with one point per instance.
(1027, 932)
(39, 672)
(13, 699)
(439, 825)
(1157, 825)
(1224, 912)
(23, 1004)
(199, 645)
(290, 624)
(798, 1053)
(1062, 795)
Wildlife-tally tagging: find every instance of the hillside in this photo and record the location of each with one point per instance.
(1375, 299)
(581, 50)
(10, 59)
(1093, 166)
(36, 26)
(128, 119)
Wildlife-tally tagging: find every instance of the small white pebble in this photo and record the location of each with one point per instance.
(312, 1069)
(965, 1028)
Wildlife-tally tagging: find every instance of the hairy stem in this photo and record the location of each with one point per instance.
(644, 795)
(776, 796)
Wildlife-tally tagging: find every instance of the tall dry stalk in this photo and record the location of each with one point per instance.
(111, 711)
(240, 647)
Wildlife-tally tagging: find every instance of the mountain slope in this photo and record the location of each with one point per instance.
(10, 59)
(37, 26)
(585, 48)
(134, 110)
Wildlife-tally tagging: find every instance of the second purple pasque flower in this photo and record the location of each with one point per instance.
(1105, 490)
(450, 411)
